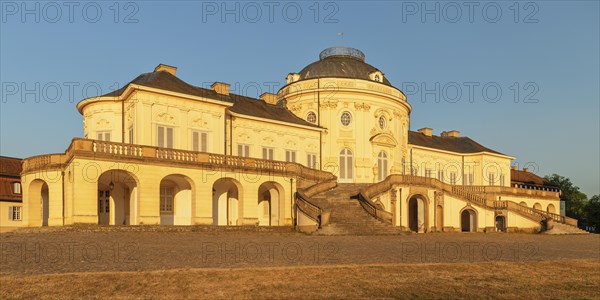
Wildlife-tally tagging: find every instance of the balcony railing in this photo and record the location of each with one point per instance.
(149, 154)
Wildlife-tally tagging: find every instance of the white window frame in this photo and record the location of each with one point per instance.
(15, 213)
(311, 114)
(167, 199)
(130, 134)
(203, 138)
(268, 153)
(429, 173)
(290, 155)
(104, 135)
(469, 179)
(382, 122)
(243, 150)
(16, 187)
(453, 178)
(491, 178)
(165, 142)
(311, 160)
(349, 118)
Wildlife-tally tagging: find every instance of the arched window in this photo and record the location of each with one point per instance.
(382, 166)
(311, 117)
(346, 118)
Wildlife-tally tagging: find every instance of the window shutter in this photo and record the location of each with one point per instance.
(195, 141)
(161, 136)
(247, 151)
(10, 212)
(204, 142)
(107, 136)
(265, 153)
(99, 136)
(240, 150)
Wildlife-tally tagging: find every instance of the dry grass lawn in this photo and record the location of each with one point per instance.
(562, 279)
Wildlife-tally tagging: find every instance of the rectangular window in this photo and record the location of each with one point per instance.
(14, 213)
(164, 137)
(502, 179)
(200, 141)
(130, 135)
(491, 178)
(243, 150)
(290, 155)
(103, 136)
(166, 199)
(429, 173)
(453, 178)
(469, 179)
(441, 176)
(267, 153)
(16, 187)
(311, 160)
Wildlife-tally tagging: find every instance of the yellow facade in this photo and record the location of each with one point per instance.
(161, 151)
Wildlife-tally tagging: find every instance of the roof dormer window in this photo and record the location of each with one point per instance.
(376, 76)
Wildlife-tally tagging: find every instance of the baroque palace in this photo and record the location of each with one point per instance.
(332, 149)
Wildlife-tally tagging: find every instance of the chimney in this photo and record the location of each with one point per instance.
(426, 131)
(170, 69)
(525, 170)
(220, 88)
(451, 133)
(270, 98)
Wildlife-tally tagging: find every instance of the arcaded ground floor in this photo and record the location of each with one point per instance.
(264, 262)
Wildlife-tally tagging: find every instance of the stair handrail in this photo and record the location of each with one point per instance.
(310, 209)
(462, 192)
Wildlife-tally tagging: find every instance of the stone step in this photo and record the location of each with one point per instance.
(347, 215)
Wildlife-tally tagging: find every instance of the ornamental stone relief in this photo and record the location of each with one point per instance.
(362, 106)
(165, 118)
(103, 123)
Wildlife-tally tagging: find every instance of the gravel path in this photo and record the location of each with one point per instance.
(94, 249)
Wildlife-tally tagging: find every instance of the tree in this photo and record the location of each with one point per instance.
(575, 201)
(593, 218)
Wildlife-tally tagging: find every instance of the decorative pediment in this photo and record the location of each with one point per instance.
(199, 122)
(268, 140)
(165, 118)
(290, 144)
(243, 137)
(103, 123)
(384, 139)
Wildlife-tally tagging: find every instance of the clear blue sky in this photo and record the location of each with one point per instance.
(550, 49)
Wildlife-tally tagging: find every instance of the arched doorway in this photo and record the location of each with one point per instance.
(537, 206)
(417, 214)
(227, 201)
(40, 206)
(270, 206)
(500, 223)
(176, 200)
(468, 220)
(551, 208)
(439, 218)
(346, 166)
(382, 166)
(117, 195)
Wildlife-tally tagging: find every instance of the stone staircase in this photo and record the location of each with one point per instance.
(559, 228)
(347, 215)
